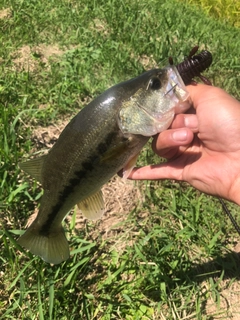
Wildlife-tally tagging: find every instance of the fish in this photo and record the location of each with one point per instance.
(104, 138)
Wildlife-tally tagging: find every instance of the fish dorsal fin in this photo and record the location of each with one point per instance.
(33, 167)
(93, 206)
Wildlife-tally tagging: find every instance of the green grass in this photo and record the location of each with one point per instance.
(170, 257)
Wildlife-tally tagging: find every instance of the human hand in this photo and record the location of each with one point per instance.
(202, 148)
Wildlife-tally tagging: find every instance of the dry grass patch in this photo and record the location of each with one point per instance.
(148, 62)
(228, 305)
(5, 13)
(29, 59)
(100, 26)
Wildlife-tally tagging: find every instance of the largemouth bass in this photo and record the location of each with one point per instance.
(103, 138)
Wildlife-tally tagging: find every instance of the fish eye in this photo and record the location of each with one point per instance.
(155, 84)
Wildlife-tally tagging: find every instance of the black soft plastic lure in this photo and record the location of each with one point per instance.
(193, 65)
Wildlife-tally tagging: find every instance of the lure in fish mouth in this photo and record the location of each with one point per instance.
(103, 138)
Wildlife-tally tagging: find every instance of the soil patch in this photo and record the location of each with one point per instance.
(5, 13)
(228, 303)
(28, 58)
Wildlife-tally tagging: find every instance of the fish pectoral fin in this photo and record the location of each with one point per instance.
(33, 167)
(93, 206)
(114, 152)
(53, 248)
(129, 166)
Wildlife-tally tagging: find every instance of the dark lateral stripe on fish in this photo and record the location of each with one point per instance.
(45, 230)
(87, 166)
(104, 146)
(109, 138)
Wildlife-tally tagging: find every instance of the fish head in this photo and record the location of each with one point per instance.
(151, 108)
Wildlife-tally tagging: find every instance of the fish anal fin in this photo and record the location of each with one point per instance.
(33, 167)
(129, 166)
(53, 248)
(92, 207)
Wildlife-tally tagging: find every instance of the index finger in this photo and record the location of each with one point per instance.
(202, 93)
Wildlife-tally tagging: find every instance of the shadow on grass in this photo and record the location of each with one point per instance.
(125, 283)
(225, 266)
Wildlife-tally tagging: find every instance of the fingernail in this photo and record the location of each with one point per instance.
(180, 135)
(191, 121)
(183, 106)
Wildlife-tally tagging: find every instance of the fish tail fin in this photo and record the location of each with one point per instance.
(53, 248)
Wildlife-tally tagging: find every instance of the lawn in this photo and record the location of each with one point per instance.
(163, 250)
